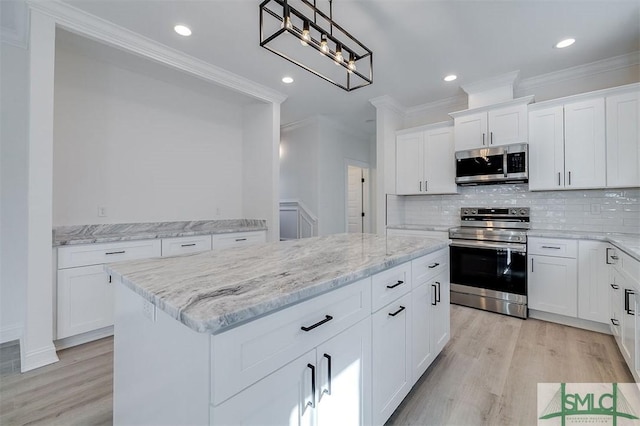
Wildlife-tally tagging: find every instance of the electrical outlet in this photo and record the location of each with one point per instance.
(149, 310)
(102, 211)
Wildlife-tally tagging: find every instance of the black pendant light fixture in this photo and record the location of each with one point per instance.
(301, 33)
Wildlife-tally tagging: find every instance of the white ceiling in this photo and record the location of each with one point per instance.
(415, 43)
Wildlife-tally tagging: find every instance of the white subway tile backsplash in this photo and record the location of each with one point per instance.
(599, 210)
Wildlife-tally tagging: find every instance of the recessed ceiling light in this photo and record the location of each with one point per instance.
(450, 77)
(182, 30)
(287, 80)
(565, 43)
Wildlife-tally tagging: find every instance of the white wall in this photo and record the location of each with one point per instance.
(315, 153)
(14, 87)
(145, 149)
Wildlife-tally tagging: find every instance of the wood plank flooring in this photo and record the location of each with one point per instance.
(486, 375)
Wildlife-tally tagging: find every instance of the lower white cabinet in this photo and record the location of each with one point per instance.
(553, 285)
(85, 300)
(615, 305)
(440, 313)
(391, 347)
(185, 245)
(238, 239)
(593, 281)
(326, 386)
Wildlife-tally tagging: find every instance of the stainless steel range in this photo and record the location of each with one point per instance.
(489, 259)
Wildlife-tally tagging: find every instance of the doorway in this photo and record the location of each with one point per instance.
(357, 203)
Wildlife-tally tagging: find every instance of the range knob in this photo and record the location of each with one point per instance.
(523, 212)
(474, 211)
(465, 212)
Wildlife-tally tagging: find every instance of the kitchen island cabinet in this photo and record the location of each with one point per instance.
(279, 333)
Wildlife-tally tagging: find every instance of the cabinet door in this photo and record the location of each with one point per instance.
(470, 131)
(409, 163)
(615, 304)
(546, 149)
(584, 144)
(391, 376)
(282, 398)
(593, 281)
(439, 162)
(507, 125)
(553, 285)
(623, 140)
(440, 313)
(422, 354)
(628, 324)
(344, 373)
(85, 300)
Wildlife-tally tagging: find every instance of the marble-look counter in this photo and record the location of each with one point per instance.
(104, 233)
(628, 243)
(440, 228)
(214, 290)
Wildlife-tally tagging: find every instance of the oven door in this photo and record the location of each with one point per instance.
(495, 266)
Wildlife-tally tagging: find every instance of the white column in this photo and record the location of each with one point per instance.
(389, 118)
(37, 347)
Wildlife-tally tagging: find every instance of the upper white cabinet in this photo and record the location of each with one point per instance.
(425, 161)
(567, 146)
(623, 139)
(497, 125)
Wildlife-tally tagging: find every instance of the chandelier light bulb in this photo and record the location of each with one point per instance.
(351, 67)
(286, 23)
(324, 46)
(339, 57)
(306, 37)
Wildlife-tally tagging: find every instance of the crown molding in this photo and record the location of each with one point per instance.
(18, 35)
(507, 79)
(388, 102)
(451, 102)
(592, 68)
(80, 22)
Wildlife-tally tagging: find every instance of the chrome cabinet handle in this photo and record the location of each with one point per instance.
(328, 389)
(312, 403)
(615, 321)
(396, 284)
(326, 319)
(115, 252)
(393, 314)
(188, 245)
(433, 266)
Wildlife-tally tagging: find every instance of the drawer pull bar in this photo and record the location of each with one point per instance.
(241, 239)
(615, 321)
(312, 403)
(551, 247)
(393, 314)
(115, 252)
(328, 389)
(433, 266)
(627, 305)
(615, 286)
(438, 296)
(434, 298)
(326, 319)
(188, 245)
(396, 284)
(615, 257)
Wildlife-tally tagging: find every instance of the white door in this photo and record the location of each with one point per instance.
(584, 145)
(471, 131)
(409, 164)
(623, 140)
(355, 199)
(439, 162)
(553, 285)
(546, 148)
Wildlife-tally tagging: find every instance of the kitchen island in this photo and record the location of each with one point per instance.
(294, 332)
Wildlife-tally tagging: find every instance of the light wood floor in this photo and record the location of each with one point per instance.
(487, 375)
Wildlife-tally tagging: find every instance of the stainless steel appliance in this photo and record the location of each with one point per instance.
(497, 164)
(489, 259)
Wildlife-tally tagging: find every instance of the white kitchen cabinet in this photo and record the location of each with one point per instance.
(85, 300)
(593, 281)
(567, 146)
(422, 351)
(238, 239)
(491, 126)
(391, 357)
(553, 276)
(425, 162)
(615, 306)
(185, 245)
(440, 313)
(623, 139)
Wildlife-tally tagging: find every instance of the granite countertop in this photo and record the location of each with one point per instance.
(442, 228)
(628, 243)
(105, 233)
(217, 289)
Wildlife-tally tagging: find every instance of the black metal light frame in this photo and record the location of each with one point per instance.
(289, 11)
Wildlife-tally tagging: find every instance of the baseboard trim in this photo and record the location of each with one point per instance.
(570, 321)
(83, 338)
(10, 333)
(38, 358)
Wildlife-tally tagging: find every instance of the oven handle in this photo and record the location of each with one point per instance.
(515, 247)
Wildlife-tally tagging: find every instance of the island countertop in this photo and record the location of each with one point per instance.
(218, 289)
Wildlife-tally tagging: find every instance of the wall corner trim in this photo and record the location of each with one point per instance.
(85, 24)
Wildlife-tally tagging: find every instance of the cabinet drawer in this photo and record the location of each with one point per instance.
(388, 285)
(184, 245)
(246, 354)
(96, 254)
(553, 247)
(238, 239)
(426, 267)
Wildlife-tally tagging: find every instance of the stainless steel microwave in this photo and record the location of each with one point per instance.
(499, 164)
